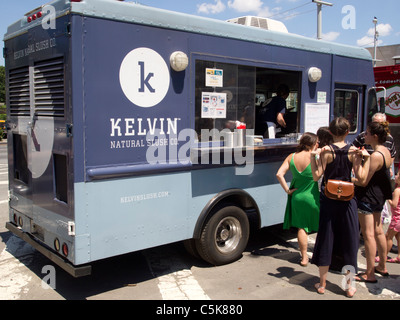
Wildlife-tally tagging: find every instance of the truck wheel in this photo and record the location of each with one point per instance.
(224, 236)
(190, 246)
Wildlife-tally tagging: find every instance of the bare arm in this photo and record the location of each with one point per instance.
(319, 160)
(363, 173)
(280, 119)
(280, 175)
(395, 198)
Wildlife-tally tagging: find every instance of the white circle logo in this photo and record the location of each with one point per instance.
(144, 77)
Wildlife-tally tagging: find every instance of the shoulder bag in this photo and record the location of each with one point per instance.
(338, 189)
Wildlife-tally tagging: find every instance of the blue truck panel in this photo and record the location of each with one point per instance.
(104, 155)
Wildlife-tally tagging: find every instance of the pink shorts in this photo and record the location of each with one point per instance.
(395, 223)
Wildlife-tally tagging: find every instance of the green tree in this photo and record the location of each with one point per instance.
(2, 84)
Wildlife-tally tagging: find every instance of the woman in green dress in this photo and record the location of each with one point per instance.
(302, 208)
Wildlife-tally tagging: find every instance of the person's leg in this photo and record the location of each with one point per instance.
(323, 274)
(303, 241)
(350, 286)
(380, 242)
(367, 228)
(398, 242)
(389, 239)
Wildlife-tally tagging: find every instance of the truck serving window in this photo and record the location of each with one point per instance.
(225, 93)
(229, 95)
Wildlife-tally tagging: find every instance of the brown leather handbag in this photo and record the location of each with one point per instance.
(339, 190)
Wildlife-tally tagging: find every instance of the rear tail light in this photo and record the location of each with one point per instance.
(65, 249)
(34, 16)
(57, 244)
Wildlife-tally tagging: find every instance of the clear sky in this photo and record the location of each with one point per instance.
(347, 21)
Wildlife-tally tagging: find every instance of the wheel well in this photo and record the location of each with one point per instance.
(235, 197)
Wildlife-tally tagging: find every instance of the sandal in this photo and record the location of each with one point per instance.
(377, 259)
(359, 277)
(382, 273)
(320, 289)
(350, 292)
(394, 260)
(304, 264)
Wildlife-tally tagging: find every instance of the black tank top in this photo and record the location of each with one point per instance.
(379, 188)
(340, 168)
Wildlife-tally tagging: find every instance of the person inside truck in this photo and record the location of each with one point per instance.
(271, 114)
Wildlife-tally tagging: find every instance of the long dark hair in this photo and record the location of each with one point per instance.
(307, 141)
(381, 129)
(324, 136)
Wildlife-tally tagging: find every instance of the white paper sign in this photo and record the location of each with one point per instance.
(214, 78)
(213, 105)
(316, 116)
(321, 97)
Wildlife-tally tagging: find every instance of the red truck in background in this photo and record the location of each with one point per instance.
(389, 78)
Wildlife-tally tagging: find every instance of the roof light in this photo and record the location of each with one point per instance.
(29, 19)
(34, 16)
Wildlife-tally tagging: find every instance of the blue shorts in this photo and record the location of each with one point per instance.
(369, 208)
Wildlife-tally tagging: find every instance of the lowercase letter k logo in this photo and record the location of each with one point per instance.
(145, 81)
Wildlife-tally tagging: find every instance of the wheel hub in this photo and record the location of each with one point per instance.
(228, 235)
(224, 235)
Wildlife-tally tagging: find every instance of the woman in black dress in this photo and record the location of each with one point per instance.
(338, 226)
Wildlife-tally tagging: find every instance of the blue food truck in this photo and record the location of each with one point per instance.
(131, 127)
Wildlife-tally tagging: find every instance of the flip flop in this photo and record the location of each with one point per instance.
(359, 278)
(351, 292)
(383, 274)
(304, 264)
(394, 260)
(377, 259)
(320, 289)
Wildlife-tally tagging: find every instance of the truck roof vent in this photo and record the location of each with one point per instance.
(260, 22)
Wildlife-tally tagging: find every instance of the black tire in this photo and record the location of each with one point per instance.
(224, 236)
(190, 246)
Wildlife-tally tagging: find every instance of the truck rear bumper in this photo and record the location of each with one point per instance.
(75, 271)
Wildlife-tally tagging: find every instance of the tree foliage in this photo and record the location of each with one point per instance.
(2, 84)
